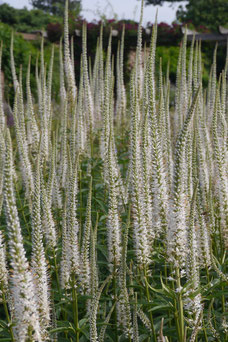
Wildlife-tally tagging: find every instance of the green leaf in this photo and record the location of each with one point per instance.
(162, 308)
(62, 329)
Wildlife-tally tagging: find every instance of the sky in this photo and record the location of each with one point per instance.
(123, 9)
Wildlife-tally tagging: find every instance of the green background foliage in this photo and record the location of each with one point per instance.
(169, 37)
(22, 50)
(209, 13)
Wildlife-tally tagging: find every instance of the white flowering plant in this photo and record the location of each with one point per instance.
(114, 204)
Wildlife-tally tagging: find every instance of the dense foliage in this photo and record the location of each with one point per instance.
(169, 38)
(113, 204)
(56, 7)
(208, 13)
(24, 20)
(22, 51)
(211, 14)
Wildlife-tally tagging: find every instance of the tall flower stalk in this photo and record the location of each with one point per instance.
(27, 324)
(115, 197)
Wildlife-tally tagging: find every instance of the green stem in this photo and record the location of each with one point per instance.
(56, 270)
(221, 241)
(115, 301)
(224, 310)
(91, 141)
(75, 308)
(175, 307)
(208, 275)
(81, 205)
(166, 281)
(64, 314)
(7, 313)
(205, 332)
(22, 211)
(176, 315)
(180, 307)
(148, 299)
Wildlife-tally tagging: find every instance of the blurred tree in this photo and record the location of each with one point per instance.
(24, 20)
(8, 14)
(209, 13)
(56, 7)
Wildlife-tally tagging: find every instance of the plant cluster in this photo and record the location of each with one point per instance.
(23, 50)
(114, 208)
